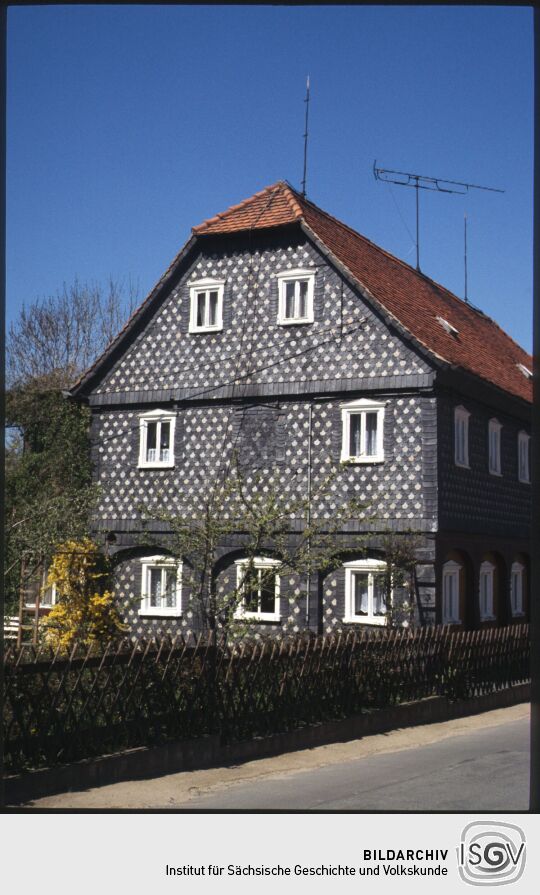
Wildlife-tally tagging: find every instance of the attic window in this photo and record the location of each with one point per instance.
(525, 370)
(451, 330)
(296, 289)
(206, 305)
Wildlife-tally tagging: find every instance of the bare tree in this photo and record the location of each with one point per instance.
(57, 337)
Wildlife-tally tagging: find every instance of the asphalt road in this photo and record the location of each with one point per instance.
(485, 770)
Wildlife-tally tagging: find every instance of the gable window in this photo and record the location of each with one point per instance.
(156, 439)
(259, 590)
(516, 589)
(461, 436)
(365, 592)
(486, 591)
(450, 593)
(494, 446)
(295, 289)
(362, 432)
(161, 586)
(523, 457)
(206, 305)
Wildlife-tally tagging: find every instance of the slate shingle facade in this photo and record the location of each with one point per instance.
(248, 388)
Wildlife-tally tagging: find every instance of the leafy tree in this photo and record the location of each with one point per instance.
(48, 492)
(48, 482)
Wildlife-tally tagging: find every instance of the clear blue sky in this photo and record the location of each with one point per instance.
(127, 125)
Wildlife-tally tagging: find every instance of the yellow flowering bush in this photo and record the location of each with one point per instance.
(85, 610)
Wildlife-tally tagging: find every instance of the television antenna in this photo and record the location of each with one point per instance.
(465, 240)
(306, 138)
(422, 182)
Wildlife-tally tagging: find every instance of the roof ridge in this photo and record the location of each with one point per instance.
(290, 195)
(239, 205)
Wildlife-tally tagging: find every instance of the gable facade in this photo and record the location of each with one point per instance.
(274, 395)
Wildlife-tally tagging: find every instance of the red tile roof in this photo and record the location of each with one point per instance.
(480, 346)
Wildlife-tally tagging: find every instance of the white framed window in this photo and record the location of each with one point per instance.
(260, 595)
(161, 586)
(494, 446)
(516, 589)
(365, 592)
(362, 431)
(47, 597)
(524, 472)
(461, 436)
(295, 289)
(206, 305)
(487, 572)
(450, 593)
(156, 439)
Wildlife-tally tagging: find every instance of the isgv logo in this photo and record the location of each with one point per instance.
(491, 853)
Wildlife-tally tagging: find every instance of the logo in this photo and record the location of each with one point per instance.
(491, 853)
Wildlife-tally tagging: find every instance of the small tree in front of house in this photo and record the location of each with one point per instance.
(85, 610)
(400, 555)
(266, 522)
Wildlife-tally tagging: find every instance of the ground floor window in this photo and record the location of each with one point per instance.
(38, 588)
(160, 586)
(259, 587)
(516, 589)
(365, 592)
(450, 593)
(487, 574)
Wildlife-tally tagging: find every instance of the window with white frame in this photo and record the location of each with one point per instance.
(494, 446)
(206, 305)
(487, 573)
(295, 288)
(362, 431)
(523, 457)
(451, 593)
(516, 588)
(259, 588)
(461, 436)
(47, 595)
(161, 586)
(366, 592)
(156, 439)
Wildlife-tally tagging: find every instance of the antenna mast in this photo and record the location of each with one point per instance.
(306, 138)
(465, 296)
(422, 182)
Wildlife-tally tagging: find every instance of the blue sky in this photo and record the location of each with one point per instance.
(127, 125)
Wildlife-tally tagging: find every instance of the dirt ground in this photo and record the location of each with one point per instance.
(175, 790)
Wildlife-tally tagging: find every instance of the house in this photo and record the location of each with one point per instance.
(333, 354)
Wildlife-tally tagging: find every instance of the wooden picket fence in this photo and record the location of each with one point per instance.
(62, 707)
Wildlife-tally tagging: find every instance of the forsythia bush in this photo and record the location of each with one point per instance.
(85, 610)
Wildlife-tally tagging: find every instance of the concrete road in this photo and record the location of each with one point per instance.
(486, 770)
(470, 764)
